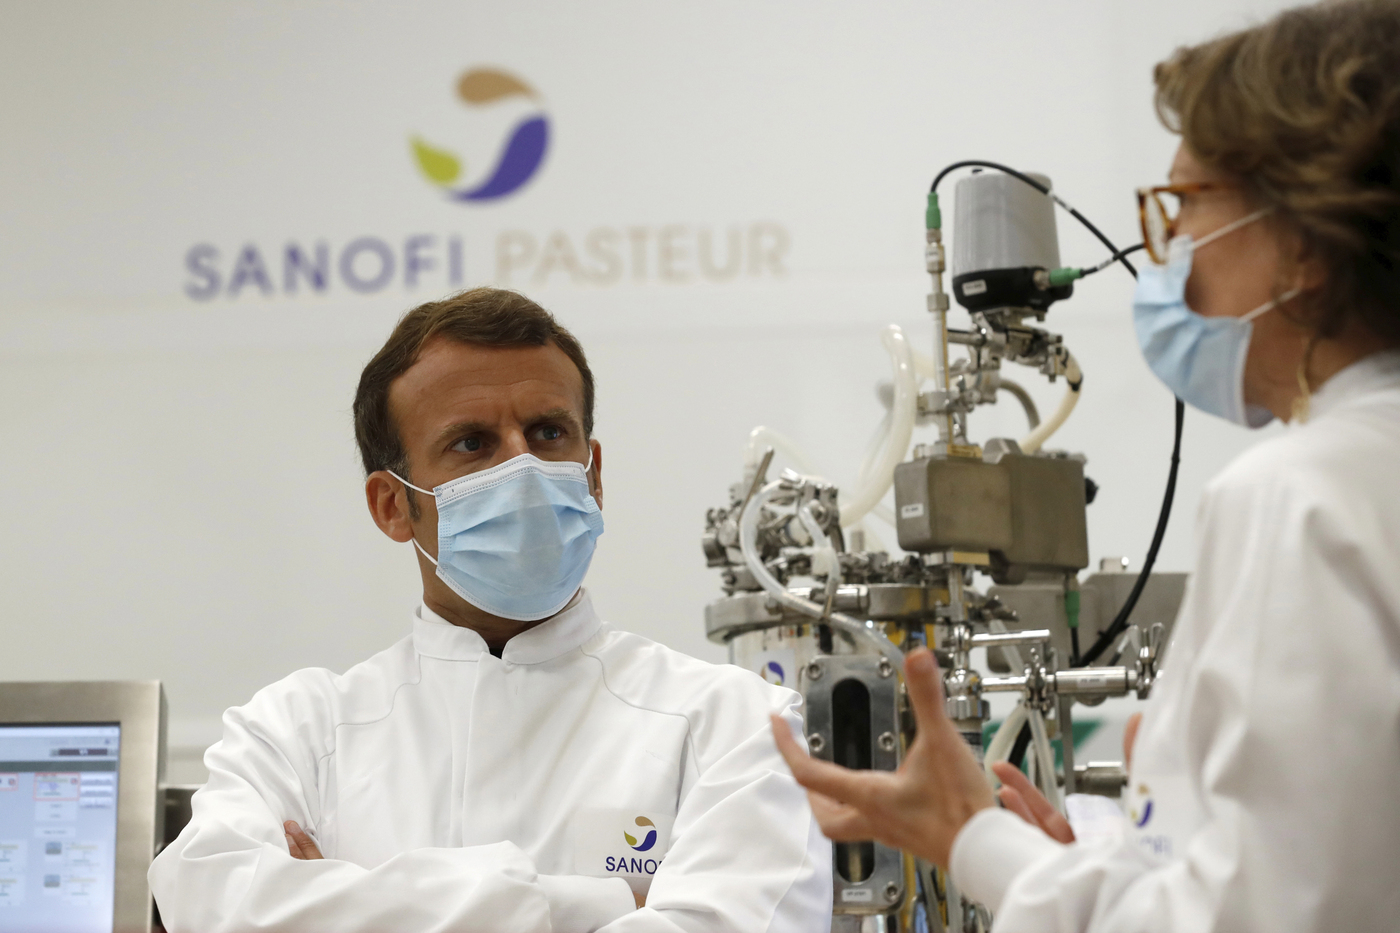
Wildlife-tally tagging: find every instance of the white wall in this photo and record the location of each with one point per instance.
(183, 498)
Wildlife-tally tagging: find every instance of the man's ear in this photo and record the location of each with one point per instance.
(595, 475)
(388, 505)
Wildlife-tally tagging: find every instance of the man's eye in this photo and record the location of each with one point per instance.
(551, 432)
(468, 445)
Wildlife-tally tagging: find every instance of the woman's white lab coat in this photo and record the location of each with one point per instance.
(1265, 788)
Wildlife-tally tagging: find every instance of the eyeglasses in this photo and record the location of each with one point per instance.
(1158, 221)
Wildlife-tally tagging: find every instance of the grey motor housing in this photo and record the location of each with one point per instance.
(1003, 234)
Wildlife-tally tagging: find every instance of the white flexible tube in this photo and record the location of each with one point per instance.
(1045, 761)
(825, 562)
(1013, 654)
(1005, 738)
(884, 514)
(877, 444)
(872, 488)
(923, 365)
(1074, 379)
(748, 546)
(1000, 747)
(761, 438)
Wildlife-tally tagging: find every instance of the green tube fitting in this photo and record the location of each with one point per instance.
(933, 217)
(1072, 608)
(1064, 276)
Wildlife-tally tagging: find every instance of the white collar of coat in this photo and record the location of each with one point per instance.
(435, 637)
(1368, 374)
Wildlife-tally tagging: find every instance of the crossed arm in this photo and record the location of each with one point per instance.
(302, 846)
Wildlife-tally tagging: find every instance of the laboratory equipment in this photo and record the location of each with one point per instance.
(993, 538)
(80, 804)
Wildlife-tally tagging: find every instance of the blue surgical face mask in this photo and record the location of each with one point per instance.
(516, 540)
(1200, 358)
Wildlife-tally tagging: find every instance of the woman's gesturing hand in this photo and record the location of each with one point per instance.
(921, 807)
(1022, 797)
(1025, 800)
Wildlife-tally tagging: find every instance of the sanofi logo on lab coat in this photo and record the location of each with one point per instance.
(1142, 813)
(648, 842)
(1164, 812)
(775, 666)
(628, 844)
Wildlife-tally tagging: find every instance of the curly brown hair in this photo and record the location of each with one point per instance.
(1305, 109)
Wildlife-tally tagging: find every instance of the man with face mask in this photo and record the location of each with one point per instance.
(514, 764)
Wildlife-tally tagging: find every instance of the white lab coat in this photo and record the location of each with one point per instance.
(450, 790)
(1265, 788)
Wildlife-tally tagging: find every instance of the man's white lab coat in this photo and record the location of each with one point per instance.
(1265, 788)
(452, 790)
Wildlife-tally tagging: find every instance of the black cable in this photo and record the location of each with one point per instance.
(1018, 748)
(978, 163)
(1120, 621)
(1090, 270)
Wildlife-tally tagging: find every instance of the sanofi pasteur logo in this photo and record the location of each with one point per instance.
(650, 839)
(517, 160)
(479, 142)
(773, 673)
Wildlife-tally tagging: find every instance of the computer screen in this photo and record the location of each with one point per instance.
(58, 827)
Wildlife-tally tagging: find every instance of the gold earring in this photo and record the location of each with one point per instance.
(1302, 404)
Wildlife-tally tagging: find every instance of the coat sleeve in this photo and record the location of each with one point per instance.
(230, 870)
(746, 855)
(1287, 714)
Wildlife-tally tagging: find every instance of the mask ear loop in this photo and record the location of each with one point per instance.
(432, 560)
(1271, 304)
(588, 466)
(1231, 227)
(425, 492)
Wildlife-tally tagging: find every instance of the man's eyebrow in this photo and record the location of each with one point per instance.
(557, 414)
(461, 429)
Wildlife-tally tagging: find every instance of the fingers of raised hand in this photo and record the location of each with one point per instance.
(834, 781)
(1038, 811)
(787, 746)
(1012, 777)
(840, 822)
(1013, 802)
(299, 844)
(925, 684)
(1129, 737)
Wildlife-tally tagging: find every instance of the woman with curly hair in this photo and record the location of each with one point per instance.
(1264, 790)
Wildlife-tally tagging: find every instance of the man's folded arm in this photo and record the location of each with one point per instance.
(745, 854)
(230, 870)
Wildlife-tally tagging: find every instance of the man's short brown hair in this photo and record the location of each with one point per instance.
(490, 317)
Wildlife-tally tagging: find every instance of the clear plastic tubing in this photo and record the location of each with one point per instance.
(872, 487)
(761, 438)
(748, 545)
